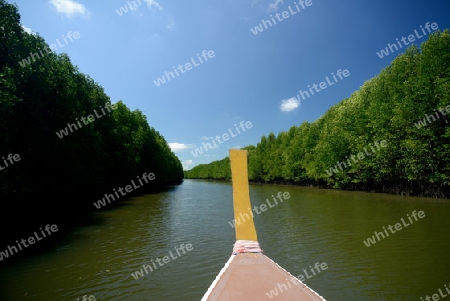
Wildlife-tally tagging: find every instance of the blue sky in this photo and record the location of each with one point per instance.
(248, 77)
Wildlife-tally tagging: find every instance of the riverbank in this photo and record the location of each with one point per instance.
(403, 189)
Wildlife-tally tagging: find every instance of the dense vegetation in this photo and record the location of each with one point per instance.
(387, 107)
(39, 99)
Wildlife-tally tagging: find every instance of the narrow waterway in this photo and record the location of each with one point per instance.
(313, 225)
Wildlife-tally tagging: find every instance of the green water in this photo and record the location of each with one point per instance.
(311, 226)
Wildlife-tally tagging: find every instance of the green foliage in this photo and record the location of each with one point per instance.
(39, 99)
(386, 107)
(219, 170)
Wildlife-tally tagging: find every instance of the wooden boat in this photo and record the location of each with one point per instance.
(248, 274)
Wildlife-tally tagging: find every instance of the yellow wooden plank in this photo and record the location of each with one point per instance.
(245, 227)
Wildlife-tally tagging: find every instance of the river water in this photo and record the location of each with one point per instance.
(313, 225)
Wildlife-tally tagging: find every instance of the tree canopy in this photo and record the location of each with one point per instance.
(387, 107)
(40, 98)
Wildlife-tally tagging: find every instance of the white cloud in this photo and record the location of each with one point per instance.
(171, 25)
(290, 104)
(69, 7)
(187, 164)
(151, 3)
(175, 146)
(274, 6)
(205, 138)
(27, 29)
